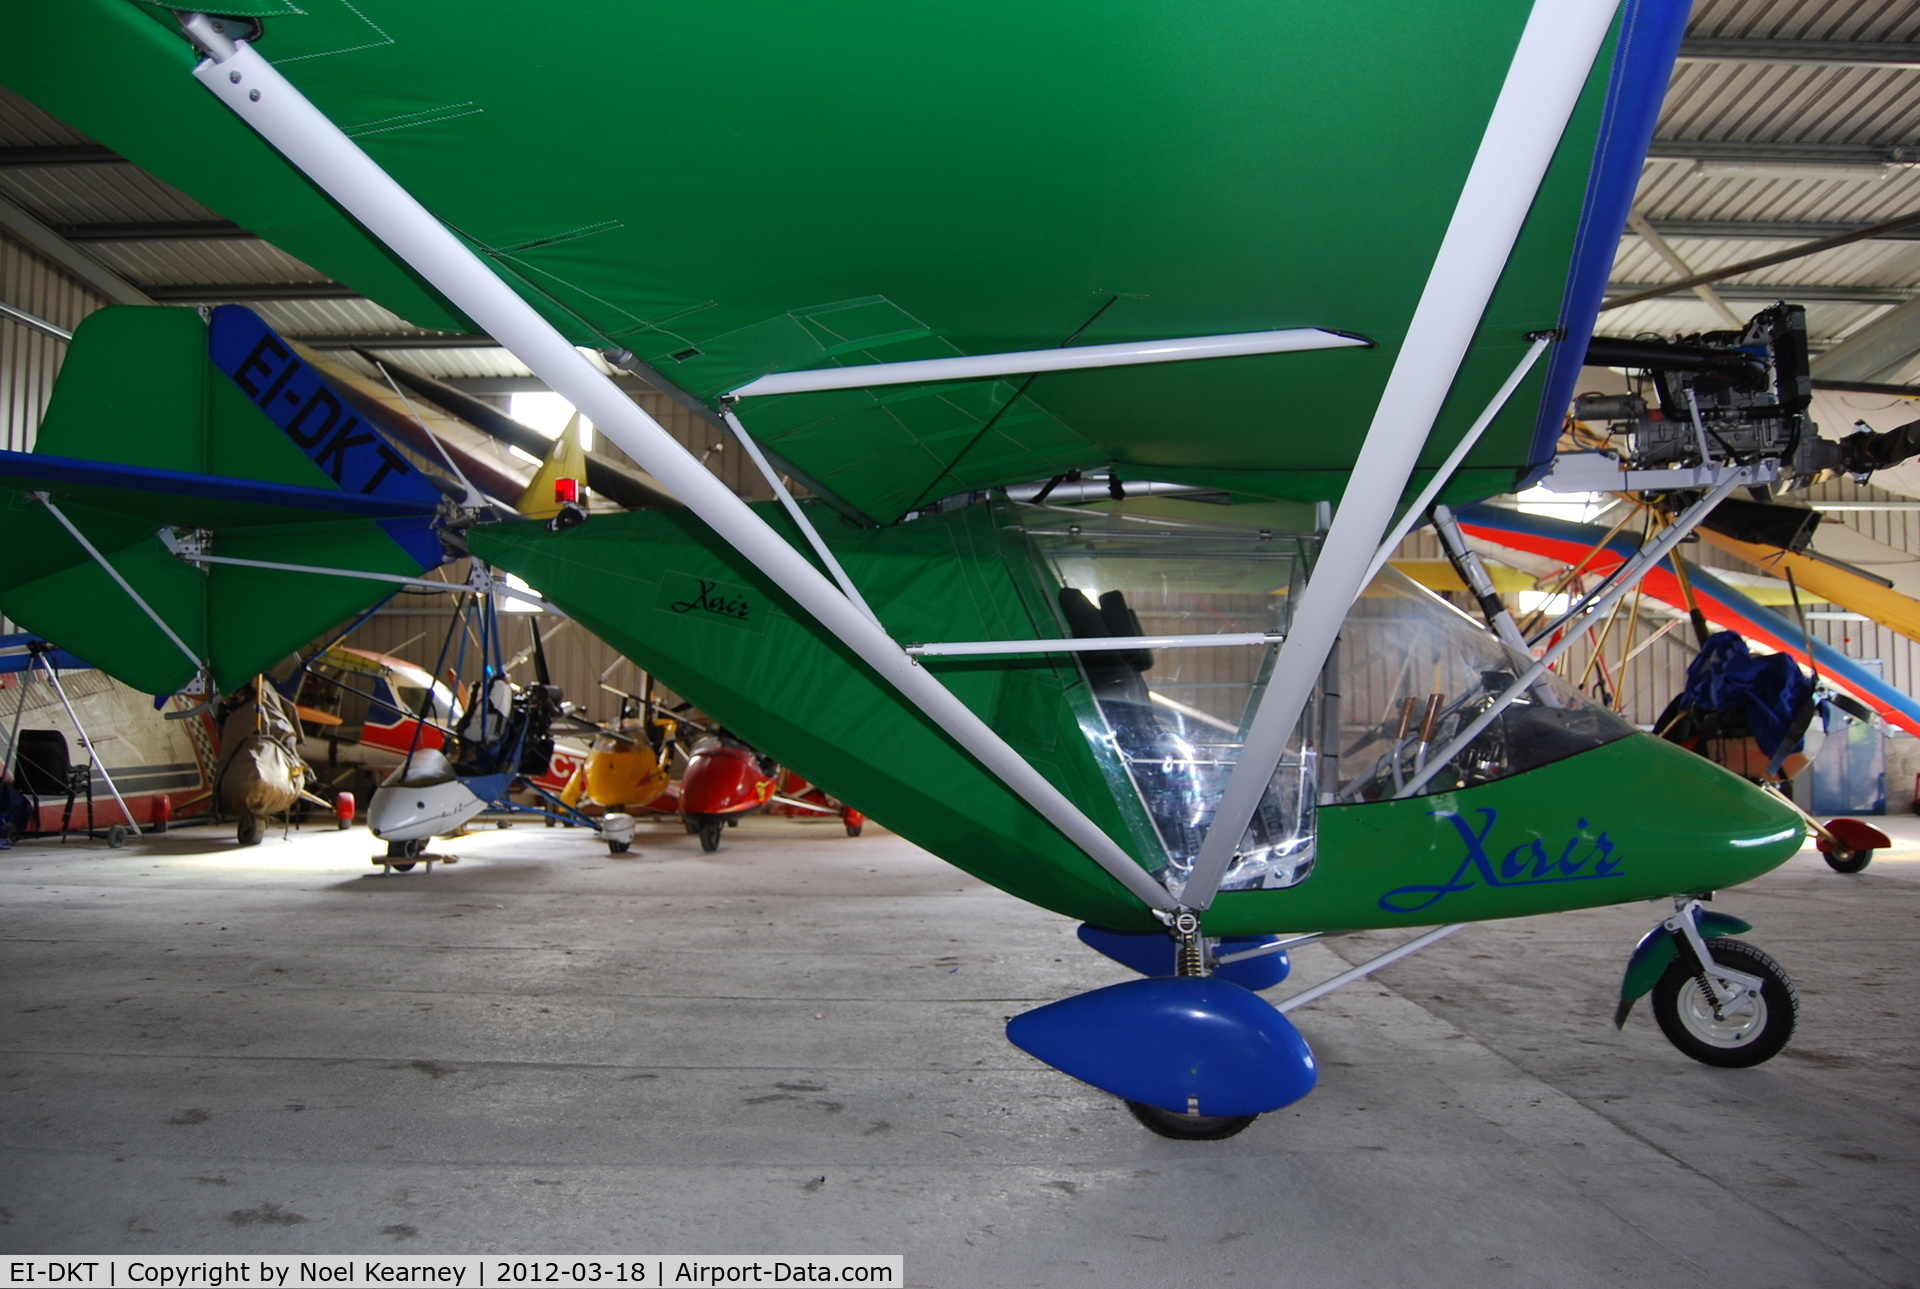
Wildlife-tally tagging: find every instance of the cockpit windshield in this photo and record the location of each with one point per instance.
(1410, 673)
(1167, 723)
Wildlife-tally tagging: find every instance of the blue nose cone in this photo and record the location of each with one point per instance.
(1188, 1044)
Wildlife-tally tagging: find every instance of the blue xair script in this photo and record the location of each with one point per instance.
(1527, 864)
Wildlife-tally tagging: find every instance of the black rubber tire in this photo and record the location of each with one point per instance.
(402, 868)
(1679, 1004)
(341, 825)
(853, 830)
(1189, 1127)
(693, 824)
(618, 847)
(710, 829)
(116, 837)
(251, 831)
(1847, 861)
(733, 821)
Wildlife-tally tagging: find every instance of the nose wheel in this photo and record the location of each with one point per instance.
(1720, 1001)
(1732, 1032)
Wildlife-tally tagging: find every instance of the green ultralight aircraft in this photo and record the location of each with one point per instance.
(1113, 346)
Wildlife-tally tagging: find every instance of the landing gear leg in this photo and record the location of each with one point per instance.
(1190, 959)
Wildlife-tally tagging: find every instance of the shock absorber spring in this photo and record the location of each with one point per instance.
(1190, 957)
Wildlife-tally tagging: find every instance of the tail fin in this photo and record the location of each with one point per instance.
(167, 435)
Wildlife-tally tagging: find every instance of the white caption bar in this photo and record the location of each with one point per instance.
(307, 1271)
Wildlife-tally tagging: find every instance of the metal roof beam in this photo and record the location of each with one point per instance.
(1739, 152)
(1909, 220)
(232, 292)
(1759, 230)
(1877, 350)
(45, 156)
(67, 257)
(159, 230)
(1792, 292)
(1805, 53)
(393, 340)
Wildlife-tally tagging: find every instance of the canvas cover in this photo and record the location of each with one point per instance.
(735, 189)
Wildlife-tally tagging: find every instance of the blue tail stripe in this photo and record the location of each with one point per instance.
(33, 468)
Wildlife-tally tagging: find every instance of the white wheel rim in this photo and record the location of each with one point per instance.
(1746, 1018)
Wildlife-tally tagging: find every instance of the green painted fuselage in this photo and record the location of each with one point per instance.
(1634, 819)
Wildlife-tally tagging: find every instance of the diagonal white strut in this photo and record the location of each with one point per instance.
(1036, 361)
(1631, 572)
(264, 99)
(1548, 72)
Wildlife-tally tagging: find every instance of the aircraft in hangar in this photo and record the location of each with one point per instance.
(1019, 298)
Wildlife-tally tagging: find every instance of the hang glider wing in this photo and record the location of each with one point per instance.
(879, 185)
(1724, 606)
(166, 432)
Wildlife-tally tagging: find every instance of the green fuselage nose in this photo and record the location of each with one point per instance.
(1636, 819)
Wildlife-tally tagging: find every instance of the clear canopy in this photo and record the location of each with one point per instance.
(1410, 673)
(1168, 723)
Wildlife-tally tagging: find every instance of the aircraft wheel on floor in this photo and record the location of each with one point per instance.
(710, 829)
(618, 847)
(252, 830)
(1189, 1127)
(853, 830)
(1847, 861)
(1753, 1031)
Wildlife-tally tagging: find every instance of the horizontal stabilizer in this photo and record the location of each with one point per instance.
(178, 492)
(160, 422)
(18, 651)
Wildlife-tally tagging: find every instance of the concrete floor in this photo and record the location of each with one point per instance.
(795, 1046)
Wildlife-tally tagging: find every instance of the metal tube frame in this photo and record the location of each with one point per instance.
(1092, 644)
(93, 756)
(1647, 558)
(1420, 505)
(1549, 69)
(269, 104)
(799, 516)
(1368, 967)
(114, 573)
(479, 580)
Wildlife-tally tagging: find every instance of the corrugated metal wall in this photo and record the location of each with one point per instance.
(29, 360)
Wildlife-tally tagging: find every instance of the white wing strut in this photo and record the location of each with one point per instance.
(263, 98)
(1549, 69)
(1034, 361)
